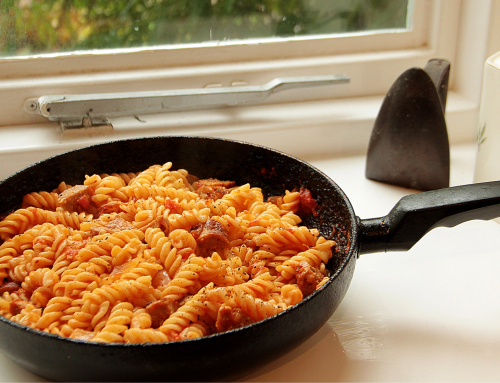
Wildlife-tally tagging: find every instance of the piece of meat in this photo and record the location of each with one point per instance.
(229, 318)
(307, 203)
(17, 305)
(211, 236)
(215, 182)
(110, 207)
(196, 230)
(308, 277)
(211, 192)
(212, 188)
(115, 225)
(161, 310)
(9, 287)
(78, 199)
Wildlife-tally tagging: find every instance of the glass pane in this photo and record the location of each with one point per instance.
(45, 26)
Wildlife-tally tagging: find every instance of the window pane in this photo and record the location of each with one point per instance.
(45, 26)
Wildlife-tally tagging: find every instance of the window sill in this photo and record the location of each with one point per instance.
(313, 129)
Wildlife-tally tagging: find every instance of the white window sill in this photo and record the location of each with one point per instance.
(314, 129)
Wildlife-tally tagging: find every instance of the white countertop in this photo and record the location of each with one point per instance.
(429, 314)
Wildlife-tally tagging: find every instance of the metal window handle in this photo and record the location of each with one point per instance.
(93, 109)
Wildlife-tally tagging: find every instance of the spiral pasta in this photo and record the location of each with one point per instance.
(155, 256)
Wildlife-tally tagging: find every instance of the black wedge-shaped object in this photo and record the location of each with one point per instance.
(409, 142)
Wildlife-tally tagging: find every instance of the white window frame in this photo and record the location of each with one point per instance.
(223, 52)
(251, 62)
(317, 121)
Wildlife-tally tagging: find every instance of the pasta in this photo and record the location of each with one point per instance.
(156, 256)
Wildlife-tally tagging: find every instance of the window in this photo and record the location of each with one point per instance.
(181, 66)
(341, 115)
(44, 26)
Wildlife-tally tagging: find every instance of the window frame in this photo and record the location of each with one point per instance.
(223, 52)
(252, 62)
(333, 120)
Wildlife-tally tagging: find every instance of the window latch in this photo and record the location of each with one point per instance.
(93, 110)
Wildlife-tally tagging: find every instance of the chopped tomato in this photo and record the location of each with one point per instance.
(172, 206)
(307, 202)
(40, 241)
(71, 254)
(255, 222)
(83, 201)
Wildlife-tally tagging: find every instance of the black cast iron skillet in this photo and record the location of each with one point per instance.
(237, 352)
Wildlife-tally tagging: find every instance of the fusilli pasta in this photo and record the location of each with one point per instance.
(155, 256)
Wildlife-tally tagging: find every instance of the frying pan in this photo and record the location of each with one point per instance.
(237, 352)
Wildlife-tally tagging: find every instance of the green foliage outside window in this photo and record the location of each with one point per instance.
(45, 26)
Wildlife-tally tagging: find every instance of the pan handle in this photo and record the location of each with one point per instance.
(414, 215)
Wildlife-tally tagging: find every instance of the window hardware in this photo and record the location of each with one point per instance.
(94, 110)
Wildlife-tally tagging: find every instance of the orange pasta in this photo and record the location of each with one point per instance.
(155, 256)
